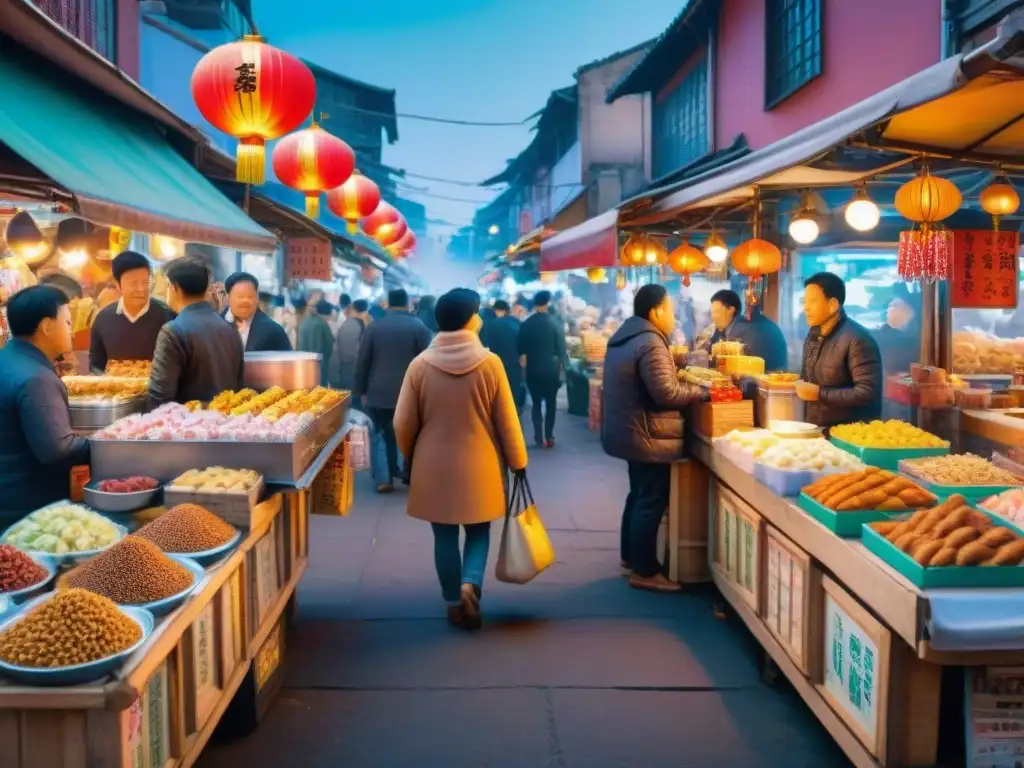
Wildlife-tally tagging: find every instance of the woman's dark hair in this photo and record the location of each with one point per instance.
(649, 297)
(126, 261)
(501, 306)
(189, 275)
(455, 308)
(542, 298)
(360, 306)
(728, 298)
(241, 277)
(30, 306)
(831, 285)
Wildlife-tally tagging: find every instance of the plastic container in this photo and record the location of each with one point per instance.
(846, 524)
(940, 576)
(886, 458)
(973, 397)
(903, 390)
(790, 482)
(78, 673)
(971, 493)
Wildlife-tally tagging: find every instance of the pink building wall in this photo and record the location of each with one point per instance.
(128, 37)
(867, 45)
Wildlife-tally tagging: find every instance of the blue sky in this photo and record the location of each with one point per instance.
(482, 60)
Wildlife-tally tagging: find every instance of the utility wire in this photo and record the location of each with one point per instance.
(432, 119)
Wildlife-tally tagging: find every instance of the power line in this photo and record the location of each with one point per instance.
(418, 191)
(432, 119)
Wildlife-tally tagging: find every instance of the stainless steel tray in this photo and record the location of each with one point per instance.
(288, 370)
(282, 463)
(92, 417)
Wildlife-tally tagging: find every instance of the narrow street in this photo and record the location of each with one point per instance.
(574, 670)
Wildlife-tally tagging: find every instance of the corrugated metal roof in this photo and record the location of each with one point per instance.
(613, 57)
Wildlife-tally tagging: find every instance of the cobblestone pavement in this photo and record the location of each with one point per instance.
(573, 671)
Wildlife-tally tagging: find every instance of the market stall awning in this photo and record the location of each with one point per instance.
(115, 163)
(971, 104)
(594, 243)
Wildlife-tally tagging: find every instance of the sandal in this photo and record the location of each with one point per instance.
(657, 583)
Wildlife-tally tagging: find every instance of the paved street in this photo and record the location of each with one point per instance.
(575, 670)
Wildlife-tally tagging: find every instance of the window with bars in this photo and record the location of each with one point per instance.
(104, 19)
(792, 47)
(680, 122)
(94, 22)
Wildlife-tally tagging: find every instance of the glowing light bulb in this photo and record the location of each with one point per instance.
(715, 249)
(862, 214)
(74, 259)
(803, 229)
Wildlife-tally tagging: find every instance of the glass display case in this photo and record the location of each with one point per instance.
(988, 343)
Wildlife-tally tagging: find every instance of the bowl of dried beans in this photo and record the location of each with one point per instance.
(24, 575)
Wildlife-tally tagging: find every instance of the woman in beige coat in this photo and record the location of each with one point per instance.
(457, 425)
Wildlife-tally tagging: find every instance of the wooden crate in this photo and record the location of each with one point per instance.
(717, 419)
(738, 544)
(853, 670)
(792, 599)
(242, 510)
(688, 523)
(264, 576)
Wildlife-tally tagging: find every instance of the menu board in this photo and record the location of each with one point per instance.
(985, 267)
(995, 717)
(784, 611)
(738, 544)
(308, 258)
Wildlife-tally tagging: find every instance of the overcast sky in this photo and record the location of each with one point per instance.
(477, 60)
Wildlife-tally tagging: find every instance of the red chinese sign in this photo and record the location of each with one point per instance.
(985, 269)
(308, 258)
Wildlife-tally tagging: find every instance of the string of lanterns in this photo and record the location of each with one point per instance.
(258, 93)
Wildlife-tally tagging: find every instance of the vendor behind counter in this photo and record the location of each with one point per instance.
(759, 335)
(128, 329)
(37, 446)
(841, 374)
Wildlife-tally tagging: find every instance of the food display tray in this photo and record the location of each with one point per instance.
(282, 463)
(90, 417)
(940, 576)
(969, 492)
(847, 523)
(886, 458)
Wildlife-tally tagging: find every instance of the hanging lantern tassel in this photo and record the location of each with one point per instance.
(313, 206)
(251, 167)
(924, 254)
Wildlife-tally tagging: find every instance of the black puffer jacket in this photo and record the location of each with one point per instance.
(642, 417)
(847, 368)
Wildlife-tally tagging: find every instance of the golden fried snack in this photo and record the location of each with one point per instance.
(955, 519)
(937, 514)
(898, 531)
(945, 556)
(996, 537)
(925, 551)
(897, 484)
(884, 527)
(961, 537)
(818, 488)
(980, 520)
(864, 500)
(973, 554)
(915, 520)
(1009, 554)
(916, 497)
(907, 540)
(892, 504)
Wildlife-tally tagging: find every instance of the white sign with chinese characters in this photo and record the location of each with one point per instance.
(851, 668)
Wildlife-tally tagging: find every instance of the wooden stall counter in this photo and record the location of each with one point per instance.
(849, 632)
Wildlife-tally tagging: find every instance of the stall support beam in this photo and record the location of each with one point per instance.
(914, 700)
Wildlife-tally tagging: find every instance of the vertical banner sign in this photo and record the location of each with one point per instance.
(851, 674)
(308, 258)
(985, 269)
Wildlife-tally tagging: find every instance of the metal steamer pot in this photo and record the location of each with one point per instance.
(288, 370)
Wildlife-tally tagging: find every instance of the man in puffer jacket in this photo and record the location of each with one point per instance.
(642, 422)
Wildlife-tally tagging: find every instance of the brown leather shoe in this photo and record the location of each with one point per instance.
(455, 616)
(655, 583)
(385, 488)
(470, 606)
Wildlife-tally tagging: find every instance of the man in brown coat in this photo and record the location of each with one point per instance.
(457, 417)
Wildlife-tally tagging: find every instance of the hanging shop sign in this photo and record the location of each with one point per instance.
(985, 269)
(308, 258)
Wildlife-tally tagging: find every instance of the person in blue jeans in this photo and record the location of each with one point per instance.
(457, 424)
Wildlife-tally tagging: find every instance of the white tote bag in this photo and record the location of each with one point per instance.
(525, 548)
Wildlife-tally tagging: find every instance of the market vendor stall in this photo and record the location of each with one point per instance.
(237, 532)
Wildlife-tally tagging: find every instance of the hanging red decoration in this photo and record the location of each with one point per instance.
(356, 199)
(925, 255)
(313, 161)
(686, 260)
(390, 235)
(256, 93)
(404, 245)
(383, 219)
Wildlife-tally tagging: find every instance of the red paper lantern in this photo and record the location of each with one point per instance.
(254, 92)
(356, 199)
(313, 161)
(403, 246)
(382, 221)
(390, 235)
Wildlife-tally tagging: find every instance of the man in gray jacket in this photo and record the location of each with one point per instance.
(642, 422)
(346, 345)
(387, 348)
